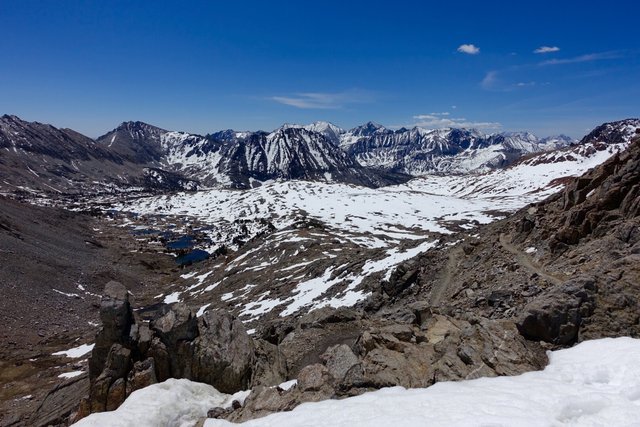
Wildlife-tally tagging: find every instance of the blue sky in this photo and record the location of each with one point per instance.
(202, 66)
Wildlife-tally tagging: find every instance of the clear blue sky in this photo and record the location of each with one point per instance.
(202, 66)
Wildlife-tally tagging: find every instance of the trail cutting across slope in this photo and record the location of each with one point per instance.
(447, 275)
(524, 260)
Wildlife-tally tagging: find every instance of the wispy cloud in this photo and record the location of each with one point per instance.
(470, 49)
(324, 100)
(490, 80)
(443, 120)
(582, 58)
(546, 49)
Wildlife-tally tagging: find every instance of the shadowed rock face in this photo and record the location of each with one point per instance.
(130, 354)
(117, 318)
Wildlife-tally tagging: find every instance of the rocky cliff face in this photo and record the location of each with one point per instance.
(293, 153)
(332, 352)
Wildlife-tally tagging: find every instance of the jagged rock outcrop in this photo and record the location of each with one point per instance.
(130, 354)
(556, 315)
(223, 355)
(332, 352)
(117, 318)
(380, 350)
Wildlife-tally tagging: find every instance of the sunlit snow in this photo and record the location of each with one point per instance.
(76, 351)
(596, 383)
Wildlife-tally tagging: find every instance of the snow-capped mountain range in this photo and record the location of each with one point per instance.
(369, 155)
(139, 156)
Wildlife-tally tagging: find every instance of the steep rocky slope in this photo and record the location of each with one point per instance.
(53, 265)
(242, 159)
(565, 269)
(38, 157)
(419, 151)
(138, 157)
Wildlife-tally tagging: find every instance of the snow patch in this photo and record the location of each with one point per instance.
(75, 352)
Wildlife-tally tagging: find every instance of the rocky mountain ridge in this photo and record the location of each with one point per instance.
(139, 157)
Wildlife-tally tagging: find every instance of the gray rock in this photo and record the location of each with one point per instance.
(224, 354)
(179, 324)
(556, 316)
(270, 367)
(339, 359)
(404, 275)
(325, 315)
(117, 319)
(313, 377)
(142, 374)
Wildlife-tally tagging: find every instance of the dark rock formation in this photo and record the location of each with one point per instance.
(223, 355)
(130, 354)
(117, 319)
(556, 315)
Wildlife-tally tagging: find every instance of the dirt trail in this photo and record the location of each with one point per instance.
(524, 260)
(444, 281)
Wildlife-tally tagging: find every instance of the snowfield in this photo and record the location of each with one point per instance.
(407, 211)
(413, 216)
(595, 383)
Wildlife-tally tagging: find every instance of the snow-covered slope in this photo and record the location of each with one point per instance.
(596, 383)
(423, 203)
(419, 151)
(384, 226)
(241, 159)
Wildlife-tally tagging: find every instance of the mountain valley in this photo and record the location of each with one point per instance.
(357, 259)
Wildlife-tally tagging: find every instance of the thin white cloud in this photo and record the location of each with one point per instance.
(525, 84)
(490, 80)
(470, 49)
(438, 121)
(582, 58)
(324, 100)
(546, 49)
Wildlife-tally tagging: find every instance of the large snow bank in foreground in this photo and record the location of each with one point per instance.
(170, 403)
(596, 383)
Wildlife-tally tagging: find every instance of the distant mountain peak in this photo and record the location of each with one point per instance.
(368, 129)
(136, 126)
